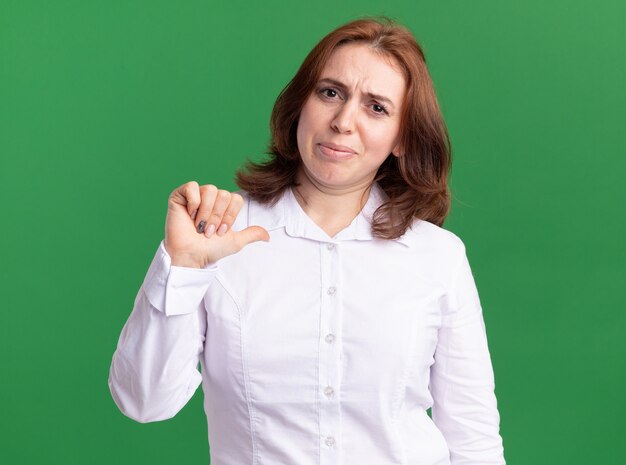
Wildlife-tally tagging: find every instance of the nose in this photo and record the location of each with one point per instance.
(344, 120)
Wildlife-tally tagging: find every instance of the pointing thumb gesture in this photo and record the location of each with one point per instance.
(198, 225)
(249, 235)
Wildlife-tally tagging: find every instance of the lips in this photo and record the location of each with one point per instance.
(335, 150)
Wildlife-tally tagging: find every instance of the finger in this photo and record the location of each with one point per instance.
(208, 194)
(250, 235)
(236, 202)
(187, 195)
(192, 194)
(219, 208)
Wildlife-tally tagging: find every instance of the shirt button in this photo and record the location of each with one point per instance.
(330, 338)
(328, 391)
(331, 290)
(330, 441)
(330, 246)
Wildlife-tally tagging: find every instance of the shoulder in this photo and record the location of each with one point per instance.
(422, 233)
(253, 212)
(432, 243)
(439, 254)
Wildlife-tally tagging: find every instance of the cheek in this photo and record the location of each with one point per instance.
(300, 136)
(381, 140)
(310, 126)
(304, 126)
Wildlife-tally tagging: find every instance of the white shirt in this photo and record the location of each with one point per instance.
(318, 350)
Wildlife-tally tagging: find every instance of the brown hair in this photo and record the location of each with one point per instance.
(416, 182)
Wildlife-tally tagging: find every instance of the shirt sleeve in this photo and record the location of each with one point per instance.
(462, 380)
(154, 371)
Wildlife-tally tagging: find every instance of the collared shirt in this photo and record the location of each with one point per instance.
(317, 350)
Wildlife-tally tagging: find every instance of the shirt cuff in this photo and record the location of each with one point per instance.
(176, 290)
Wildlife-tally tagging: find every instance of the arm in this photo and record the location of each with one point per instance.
(154, 369)
(462, 380)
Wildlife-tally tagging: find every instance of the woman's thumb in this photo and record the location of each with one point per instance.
(250, 235)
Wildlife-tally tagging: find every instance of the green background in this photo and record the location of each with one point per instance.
(105, 107)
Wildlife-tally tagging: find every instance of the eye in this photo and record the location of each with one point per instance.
(329, 93)
(378, 108)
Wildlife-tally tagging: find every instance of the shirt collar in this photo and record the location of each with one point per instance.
(288, 213)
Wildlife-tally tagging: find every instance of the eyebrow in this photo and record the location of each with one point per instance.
(340, 84)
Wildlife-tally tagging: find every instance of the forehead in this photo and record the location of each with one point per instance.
(359, 64)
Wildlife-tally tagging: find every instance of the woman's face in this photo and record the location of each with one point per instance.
(351, 121)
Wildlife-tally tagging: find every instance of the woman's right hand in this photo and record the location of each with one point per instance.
(198, 225)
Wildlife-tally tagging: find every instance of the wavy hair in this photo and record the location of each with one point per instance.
(416, 182)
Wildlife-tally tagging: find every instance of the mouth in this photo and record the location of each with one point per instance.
(334, 151)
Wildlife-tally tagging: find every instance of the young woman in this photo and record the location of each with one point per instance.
(326, 306)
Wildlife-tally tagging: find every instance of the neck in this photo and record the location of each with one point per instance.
(332, 209)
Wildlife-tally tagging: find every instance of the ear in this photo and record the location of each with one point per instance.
(398, 150)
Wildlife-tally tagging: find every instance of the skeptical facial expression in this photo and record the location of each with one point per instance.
(350, 123)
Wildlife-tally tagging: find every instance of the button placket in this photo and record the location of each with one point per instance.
(329, 354)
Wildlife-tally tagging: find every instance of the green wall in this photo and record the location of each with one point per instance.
(105, 107)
